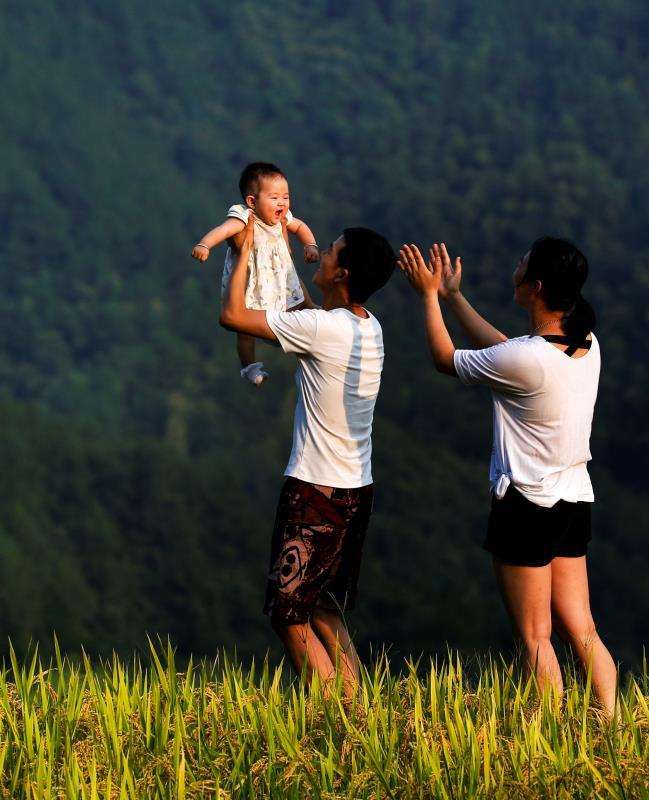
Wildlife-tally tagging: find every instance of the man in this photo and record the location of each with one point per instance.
(325, 504)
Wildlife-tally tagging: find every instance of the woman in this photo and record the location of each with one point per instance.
(544, 388)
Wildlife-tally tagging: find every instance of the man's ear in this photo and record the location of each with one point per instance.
(250, 201)
(538, 286)
(341, 274)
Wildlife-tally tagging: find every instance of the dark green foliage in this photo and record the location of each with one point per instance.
(139, 495)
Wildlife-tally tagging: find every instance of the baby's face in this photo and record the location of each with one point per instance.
(272, 202)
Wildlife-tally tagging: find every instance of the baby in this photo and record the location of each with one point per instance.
(273, 282)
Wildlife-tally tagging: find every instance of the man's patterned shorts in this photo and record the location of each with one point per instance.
(316, 551)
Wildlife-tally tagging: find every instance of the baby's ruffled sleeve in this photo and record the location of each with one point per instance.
(239, 211)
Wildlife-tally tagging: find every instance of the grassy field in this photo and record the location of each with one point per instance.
(75, 729)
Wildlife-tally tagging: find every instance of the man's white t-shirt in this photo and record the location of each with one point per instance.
(543, 413)
(340, 358)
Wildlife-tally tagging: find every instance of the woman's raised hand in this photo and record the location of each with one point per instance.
(451, 276)
(424, 279)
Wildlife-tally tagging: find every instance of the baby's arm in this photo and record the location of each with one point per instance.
(305, 235)
(231, 227)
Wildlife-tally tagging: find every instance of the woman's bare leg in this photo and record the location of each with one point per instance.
(574, 623)
(526, 592)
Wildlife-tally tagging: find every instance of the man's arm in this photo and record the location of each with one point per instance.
(308, 300)
(234, 314)
(426, 282)
(479, 332)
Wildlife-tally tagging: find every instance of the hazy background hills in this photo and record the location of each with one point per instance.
(139, 476)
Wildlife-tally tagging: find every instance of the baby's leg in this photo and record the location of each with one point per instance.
(246, 349)
(251, 370)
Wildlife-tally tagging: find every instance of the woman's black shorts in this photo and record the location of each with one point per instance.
(520, 532)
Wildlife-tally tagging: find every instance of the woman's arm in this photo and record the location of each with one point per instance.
(300, 229)
(479, 332)
(426, 281)
(224, 231)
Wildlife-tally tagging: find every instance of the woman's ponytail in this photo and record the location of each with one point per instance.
(581, 320)
(562, 270)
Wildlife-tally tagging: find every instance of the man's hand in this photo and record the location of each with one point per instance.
(234, 314)
(285, 229)
(425, 280)
(201, 252)
(307, 302)
(237, 241)
(451, 276)
(249, 240)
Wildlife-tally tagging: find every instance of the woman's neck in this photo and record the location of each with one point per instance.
(543, 321)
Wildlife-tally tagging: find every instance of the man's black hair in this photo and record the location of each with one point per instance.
(250, 180)
(369, 259)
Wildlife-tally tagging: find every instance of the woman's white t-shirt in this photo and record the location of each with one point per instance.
(543, 413)
(340, 358)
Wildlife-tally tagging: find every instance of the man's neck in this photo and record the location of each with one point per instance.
(336, 299)
(355, 308)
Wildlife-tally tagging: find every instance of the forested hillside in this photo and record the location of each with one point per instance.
(138, 474)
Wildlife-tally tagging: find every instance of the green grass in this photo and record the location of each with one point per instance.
(72, 729)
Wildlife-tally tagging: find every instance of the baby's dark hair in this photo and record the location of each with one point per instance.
(370, 260)
(250, 180)
(562, 270)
